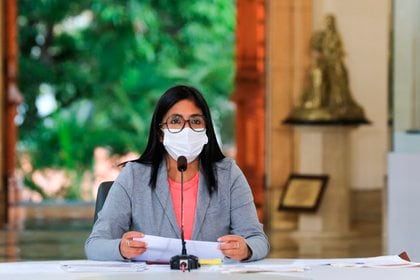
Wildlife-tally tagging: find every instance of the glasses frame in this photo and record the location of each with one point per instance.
(185, 121)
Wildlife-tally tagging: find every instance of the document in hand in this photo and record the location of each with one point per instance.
(162, 249)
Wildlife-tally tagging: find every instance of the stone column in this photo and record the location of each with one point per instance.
(289, 29)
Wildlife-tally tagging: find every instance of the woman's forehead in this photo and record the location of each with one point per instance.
(184, 107)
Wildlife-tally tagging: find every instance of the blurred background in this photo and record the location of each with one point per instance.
(91, 74)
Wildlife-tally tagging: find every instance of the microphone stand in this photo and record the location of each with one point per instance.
(184, 261)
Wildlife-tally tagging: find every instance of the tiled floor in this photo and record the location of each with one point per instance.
(58, 232)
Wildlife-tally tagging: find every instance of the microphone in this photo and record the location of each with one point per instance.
(181, 164)
(183, 261)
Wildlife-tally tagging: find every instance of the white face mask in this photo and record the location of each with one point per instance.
(186, 143)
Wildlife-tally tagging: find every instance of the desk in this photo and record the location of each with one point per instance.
(50, 270)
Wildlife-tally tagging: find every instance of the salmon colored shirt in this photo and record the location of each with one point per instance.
(190, 203)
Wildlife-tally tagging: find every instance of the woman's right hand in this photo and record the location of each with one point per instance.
(130, 248)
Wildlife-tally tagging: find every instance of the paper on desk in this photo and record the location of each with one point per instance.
(259, 268)
(381, 261)
(389, 262)
(162, 249)
(98, 266)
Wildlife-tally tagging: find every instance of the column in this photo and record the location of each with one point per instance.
(3, 196)
(249, 95)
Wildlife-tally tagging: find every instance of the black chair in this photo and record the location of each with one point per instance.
(103, 190)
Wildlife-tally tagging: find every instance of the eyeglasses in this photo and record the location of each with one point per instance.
(176, 123)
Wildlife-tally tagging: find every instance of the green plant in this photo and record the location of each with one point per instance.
(91, 71)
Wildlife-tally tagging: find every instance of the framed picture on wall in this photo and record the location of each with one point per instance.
(303, 192)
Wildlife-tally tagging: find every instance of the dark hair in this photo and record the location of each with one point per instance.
(155, 151)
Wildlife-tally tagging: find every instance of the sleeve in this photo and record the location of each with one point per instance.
(244, 218)
(113, 221)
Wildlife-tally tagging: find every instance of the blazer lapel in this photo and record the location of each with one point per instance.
(165, 200)
(203, 201)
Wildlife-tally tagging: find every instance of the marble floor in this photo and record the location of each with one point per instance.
(58, 232)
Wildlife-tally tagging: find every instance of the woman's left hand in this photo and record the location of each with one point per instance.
(234, 247)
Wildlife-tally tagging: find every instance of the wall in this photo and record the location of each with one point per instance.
(406, 65)
(406, 76)
(364, 26)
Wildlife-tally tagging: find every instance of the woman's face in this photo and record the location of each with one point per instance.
(185, 108)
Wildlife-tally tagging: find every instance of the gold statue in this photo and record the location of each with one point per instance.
(326, 98)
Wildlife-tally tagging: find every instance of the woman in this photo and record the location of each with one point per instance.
(145, 198)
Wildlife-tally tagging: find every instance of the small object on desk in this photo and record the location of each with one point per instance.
(357, 264)
(403, 255)
(210, 261)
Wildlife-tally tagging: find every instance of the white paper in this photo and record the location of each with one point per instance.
(272, 268)
(381, 261)
(33, 267)
(162, 249)
(389, 262)
(98, 266)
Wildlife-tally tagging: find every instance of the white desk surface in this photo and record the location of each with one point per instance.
(52, 270)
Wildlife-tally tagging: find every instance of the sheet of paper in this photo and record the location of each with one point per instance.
(381, 261)
(389, 262)
(15, 268)
(251, 268)
(98, 266)
(162, 249)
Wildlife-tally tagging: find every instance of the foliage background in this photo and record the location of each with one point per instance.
(91, 72)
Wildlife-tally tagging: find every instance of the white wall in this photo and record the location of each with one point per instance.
(407, 65)
(364, 26)
(406, 75)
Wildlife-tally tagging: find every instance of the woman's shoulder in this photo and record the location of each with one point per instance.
(135, 165)
(133, 172)
(228, 165)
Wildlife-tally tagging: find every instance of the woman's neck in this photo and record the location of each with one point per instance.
(175, 175)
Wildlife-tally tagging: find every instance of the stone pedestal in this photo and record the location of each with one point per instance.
(326, 150)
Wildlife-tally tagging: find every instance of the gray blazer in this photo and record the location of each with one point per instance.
(132, 205)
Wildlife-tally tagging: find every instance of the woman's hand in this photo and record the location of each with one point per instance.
(130, 248)
(234, 247)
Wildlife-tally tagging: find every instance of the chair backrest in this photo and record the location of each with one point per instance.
(100, 198)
